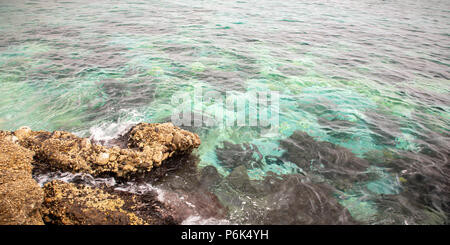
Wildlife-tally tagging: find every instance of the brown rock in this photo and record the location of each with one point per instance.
(20, 198)
(22, 132)
(103, 158)
(13, 156)
(86, 143)
(70, 204)
(163, 135)
(150, 144)
(20, 195)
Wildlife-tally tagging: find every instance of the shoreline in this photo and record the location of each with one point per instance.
(24, 202)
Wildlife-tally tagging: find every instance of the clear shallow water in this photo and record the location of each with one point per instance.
(369, 76)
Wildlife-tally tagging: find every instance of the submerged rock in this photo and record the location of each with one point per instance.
(298, 201)
(232, 155)
(425, 186)
(209, 177)
(324, 158)
(186, 189)
(20, 195)
(72, 204)
(238, 179)
(280, 199)
(150, 144)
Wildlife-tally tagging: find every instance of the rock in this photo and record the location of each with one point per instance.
(164, 136)
(86, 143)
(20, 198)
(71, 204)
(158, 157)
(280, 200)
(13, 156)
(113, 158)
(20, 195)
(335, 163)
(239, 179)
(177, 139)
(185, 190)
(425, 187)
(210, 177)
(296, 200)
(103, 158)
(233, 155)
(22, 132)
(149, 145)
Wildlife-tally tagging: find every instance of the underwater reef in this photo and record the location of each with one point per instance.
(23, 202)
(290, 199)
(324, 158)
(380, 187)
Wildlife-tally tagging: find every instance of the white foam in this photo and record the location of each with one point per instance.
(173, 199)
(107, 131)
(67, 177)
(135, 188)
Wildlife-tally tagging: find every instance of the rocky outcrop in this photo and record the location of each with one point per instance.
(149, 145)
(165, 138)
(20, 195)
(72, 204)
(143, 147)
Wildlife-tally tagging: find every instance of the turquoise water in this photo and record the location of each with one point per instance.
(369, 76)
